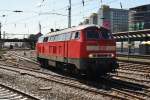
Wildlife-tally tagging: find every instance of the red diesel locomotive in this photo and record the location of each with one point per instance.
(87, 49)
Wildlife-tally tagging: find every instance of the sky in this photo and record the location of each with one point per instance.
(51, 13)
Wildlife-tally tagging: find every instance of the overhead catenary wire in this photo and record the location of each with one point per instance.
(89, 10)
(74, 5)
(48, 12)
(42, 13)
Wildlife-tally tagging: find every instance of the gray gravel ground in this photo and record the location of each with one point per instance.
(45, 89)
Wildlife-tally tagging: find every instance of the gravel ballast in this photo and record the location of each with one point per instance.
(44, 89)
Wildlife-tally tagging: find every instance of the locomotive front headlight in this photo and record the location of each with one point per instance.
(112, 55)
(91, 55)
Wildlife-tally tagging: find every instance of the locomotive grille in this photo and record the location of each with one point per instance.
(108, 48)
(100, 48)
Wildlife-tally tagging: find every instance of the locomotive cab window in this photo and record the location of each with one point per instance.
(45, 39)
(75, 35)
(92, 34)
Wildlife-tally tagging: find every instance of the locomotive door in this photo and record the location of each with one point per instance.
(67, 38)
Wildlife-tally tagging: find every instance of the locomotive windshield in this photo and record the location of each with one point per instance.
(105, 33)
(92, 34)
(101, 34)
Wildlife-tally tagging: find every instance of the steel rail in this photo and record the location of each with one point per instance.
(60, 81)
(25, 95)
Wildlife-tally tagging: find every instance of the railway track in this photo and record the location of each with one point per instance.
(9, 93)
(131, 79)
(133, 88)
(119, 93)
(134, 74)
(63, 80)
(134, 67)
(128, 71)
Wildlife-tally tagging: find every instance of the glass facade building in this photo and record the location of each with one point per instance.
(139, 18)
(115, 19)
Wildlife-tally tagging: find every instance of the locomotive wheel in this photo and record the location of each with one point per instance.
(92, 75)
(46, 64)
(77, 71)
(71, 69)
(66, 69)
(43, 63)
(59, 66)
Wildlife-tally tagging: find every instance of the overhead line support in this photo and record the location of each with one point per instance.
(69, 14)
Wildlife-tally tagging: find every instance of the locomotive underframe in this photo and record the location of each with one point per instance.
(98, 65)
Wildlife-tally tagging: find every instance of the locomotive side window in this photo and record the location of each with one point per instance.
(92, 34)
(52, 38)
(45, 39)
(49, 39)
(63, 37)
(67, 36)
(40, 40)
(56, 38)
(59, 37)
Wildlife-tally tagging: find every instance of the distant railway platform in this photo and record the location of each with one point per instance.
(137, 58)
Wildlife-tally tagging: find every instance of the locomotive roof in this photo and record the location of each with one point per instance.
(81, 27)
